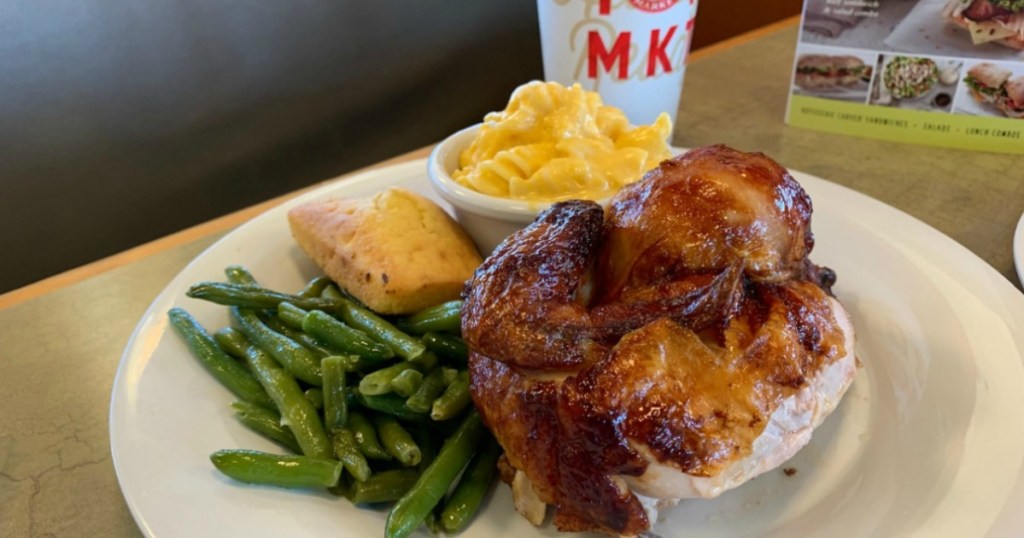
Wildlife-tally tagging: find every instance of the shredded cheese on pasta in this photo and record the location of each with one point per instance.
(557, 143)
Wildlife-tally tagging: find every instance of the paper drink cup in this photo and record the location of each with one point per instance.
(632, 52)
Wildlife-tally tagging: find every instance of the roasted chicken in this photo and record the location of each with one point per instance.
(672, 347)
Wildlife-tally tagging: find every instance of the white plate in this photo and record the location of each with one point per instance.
(929, 441)
(1018, 249)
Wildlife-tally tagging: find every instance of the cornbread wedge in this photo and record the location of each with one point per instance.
(396, 251)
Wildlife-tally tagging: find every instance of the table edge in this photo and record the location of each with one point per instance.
(188, 235)
(735, 41)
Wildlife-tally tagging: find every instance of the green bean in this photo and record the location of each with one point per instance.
(454, 400)
(315, 396)
(447, 346)
(336, 295)
(341, 489)
(385, 486)
(299, 361)
(347, 452)
(254, 467)
(430, 522)
(469, 494)
(224, 369)
(445, 317)
(350, 363)
(392, 404)
(296, 411)
(347, 339)
(335, 406)
(240, 275)
(406, 383)
(379, 382)
(380, 329)
(432, 387)
(449, 375)
(305, 340)
(314, 287)
(234, 342)
(366, 437)
(266, 423)
(227, 347)
(424, 438)
(409, 512)
(397, 441)
(253, 297)
(355, 363)
(291, 315)
(425, 362)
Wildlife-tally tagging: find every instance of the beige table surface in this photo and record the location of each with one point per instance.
(61, 339)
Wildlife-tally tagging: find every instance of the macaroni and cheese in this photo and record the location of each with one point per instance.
(556, 143)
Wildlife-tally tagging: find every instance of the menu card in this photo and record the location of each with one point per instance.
(938, 72)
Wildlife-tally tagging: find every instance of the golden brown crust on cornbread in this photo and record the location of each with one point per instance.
(396, 251)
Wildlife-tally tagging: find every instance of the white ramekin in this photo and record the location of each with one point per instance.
(487, 219)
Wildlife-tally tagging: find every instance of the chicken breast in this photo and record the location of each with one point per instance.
(674, 348)
(788, 430)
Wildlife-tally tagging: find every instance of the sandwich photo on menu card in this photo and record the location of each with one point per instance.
(994, 90)
(986, 81)
(823, 71)
(1012, 104)
(833, 73)
(989, 21)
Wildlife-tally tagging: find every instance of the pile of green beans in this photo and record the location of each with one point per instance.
(371, 407)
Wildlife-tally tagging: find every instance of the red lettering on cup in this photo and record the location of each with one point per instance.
(596, 52)
(605, 7)
(654, 5)
(657, 53)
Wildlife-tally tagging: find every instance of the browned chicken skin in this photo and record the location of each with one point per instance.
(615, 355)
